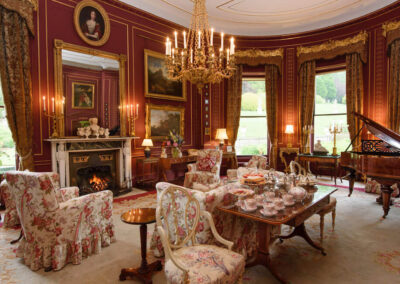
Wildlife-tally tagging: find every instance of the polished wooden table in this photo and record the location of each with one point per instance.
(143, 176)
(142, 217)
(294, 216)
(332, 161)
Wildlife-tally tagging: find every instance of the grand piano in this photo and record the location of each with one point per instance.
(378, 159)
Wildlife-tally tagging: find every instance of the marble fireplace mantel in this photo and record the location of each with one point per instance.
(62, 147)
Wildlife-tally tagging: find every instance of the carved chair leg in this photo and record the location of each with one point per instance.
(321, 227)
(333, 218)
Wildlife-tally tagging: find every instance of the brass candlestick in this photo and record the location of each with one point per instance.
(55, 120)
(308, 130)
(132, 117)
(336, 129)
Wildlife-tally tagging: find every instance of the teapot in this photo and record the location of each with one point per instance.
(298, 193)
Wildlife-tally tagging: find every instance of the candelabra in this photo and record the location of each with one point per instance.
(308, 130)
(132, 117)
(335, 129)
(55, 120)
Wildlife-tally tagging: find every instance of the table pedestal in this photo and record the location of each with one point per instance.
(145, 271)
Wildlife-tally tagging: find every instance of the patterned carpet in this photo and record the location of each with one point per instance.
(362, 249)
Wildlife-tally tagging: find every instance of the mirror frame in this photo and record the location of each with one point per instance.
(59, 45)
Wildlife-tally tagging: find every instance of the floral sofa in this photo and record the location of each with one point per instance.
(59, 226)
(242, 232)
(256, 163)
(206, 170)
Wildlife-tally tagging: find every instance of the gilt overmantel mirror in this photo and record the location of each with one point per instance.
(88, 83)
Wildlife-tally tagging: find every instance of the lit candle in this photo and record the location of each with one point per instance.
(127, 111)
(222, 41)
(131, 110)
(53, 104)
(212, 36)
(231, 48)
(44, 103)
(182, 58)
(166, 48)
(137, 109)
(184, 39)
(199, 43)
(191, 56)
(167, 45)
(62, 106)
(227, 55)
(176, 39)
(231, 43)
(173, 52)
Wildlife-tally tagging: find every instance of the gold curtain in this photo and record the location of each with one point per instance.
(306, 97)
(271, 88)
(16, 81)
(354, 95)
(234, 102)
(254, 57)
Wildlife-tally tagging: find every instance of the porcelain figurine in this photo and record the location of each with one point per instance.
(93, 126)
(106, 132)
(164, 152)
(87, 132)
(81, 132)
(101, 132)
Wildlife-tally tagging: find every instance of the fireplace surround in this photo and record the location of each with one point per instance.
(93, 164)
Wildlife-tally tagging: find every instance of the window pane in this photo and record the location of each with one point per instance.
(252, 135)
(7, 148)
(330, 93)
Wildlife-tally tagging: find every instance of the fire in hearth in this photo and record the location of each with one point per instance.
(98, 183)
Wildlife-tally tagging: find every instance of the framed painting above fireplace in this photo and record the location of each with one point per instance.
(161, 119)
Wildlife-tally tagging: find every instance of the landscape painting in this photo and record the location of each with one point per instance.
(161, 119)
(157, 84)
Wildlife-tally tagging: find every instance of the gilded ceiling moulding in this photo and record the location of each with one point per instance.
(391, 31)
(254, 57)
(333, 48)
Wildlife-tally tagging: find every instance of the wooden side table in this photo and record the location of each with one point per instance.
(330, 160)
(286, 159)
(142, 217)
(143, 176)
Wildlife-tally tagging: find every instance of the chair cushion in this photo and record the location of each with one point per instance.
(11, 218)
(207, 264)
(207, 160)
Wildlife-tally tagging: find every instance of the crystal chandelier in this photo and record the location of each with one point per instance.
(198, 61)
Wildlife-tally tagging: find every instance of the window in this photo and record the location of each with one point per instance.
(7, 147)
(252, 135)
(330, 109)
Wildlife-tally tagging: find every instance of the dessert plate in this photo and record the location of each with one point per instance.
(289, 203)
(251, 209)
(268, 214)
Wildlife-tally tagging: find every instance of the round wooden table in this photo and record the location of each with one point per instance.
(142, 217)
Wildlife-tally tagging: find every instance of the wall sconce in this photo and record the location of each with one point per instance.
(289, 131)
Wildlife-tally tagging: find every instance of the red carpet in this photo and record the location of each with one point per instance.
(132, 197)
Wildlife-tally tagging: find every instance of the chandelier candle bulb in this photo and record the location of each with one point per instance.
(227, 55)
(222, 41)
(131, 110)
(212, 36)
(176, 39)
(184, 40)
(53, 104)
(137, 109)
(44, 103)
(199, 42)
(62, 105)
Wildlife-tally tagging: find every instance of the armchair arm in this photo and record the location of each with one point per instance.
(169, 253)
(232, 174)
(191, 167)
(215, 169)
(223, 241)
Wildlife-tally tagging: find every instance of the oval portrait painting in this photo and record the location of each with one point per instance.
(92, 23)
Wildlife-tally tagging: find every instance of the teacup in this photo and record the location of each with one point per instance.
(278, 202)
(250, 203)
(259, 198)
(269, 195)
(287, 198)
(268, 207)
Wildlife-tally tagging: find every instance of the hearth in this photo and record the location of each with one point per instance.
(94, 179)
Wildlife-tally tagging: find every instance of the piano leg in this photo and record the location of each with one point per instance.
(386, 194)
(352, 178)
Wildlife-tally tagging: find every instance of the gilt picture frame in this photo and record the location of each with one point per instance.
(157, 84)
(92, 23)
(160, 119)
(83, 95)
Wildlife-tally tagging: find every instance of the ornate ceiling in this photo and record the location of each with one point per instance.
(264, 17)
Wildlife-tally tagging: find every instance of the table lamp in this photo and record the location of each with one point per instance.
(147, 143)
(221, 136)
(289, 130)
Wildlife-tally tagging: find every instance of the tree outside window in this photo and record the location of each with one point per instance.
(7, 146)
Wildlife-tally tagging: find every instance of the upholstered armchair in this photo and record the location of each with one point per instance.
(59, 226)
(11, 218)
(206, 170)
(186, 260)
(257, 163)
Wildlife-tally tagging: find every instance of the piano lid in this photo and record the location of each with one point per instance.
(390, 137)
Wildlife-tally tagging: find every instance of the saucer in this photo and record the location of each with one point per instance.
(270, 214)
(289, 203)
(249, 209)
(280, 208)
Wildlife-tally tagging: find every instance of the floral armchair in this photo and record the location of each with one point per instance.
(59, 227)
(188, 261)
(258, 162)
(206, 170)
(242, 232)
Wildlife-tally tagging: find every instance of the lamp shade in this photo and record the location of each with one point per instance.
(221, 134)
(147, 143)
(289, 129)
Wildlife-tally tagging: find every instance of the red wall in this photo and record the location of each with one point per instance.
(132, 31)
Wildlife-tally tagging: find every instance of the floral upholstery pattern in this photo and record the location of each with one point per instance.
(56, 233)
(242, 232)
(208, 264)
(203, 172)
(259, 162)
(373, 186)
(11, 218)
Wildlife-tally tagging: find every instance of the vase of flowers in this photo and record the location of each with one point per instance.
(175, 141)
